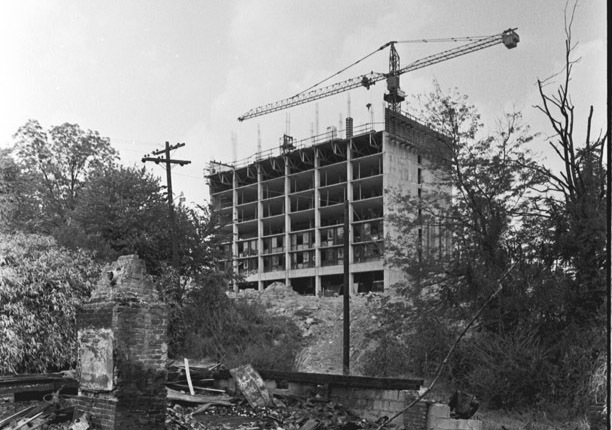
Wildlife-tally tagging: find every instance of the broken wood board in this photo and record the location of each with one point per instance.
(198, 398)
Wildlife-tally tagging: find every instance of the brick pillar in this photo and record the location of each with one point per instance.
(123, 351)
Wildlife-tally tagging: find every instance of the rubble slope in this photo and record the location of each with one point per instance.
(321, 322)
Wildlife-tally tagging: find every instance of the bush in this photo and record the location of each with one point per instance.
(390, 357)
(506, 371)
(207, 323)
(41, 285)
(576, 366)
(411, 341)
(527, 369)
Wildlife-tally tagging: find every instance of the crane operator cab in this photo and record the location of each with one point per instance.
(510, 39)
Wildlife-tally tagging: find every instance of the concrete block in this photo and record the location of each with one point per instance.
(396, 406)
(337, 391)
(452, 424)
(390, 394)
(380, 405)
(438, 410)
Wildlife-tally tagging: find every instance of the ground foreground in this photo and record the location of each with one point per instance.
(321, 321)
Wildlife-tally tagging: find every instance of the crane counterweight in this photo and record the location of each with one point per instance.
(510, 39)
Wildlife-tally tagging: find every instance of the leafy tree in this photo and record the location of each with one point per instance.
(492, 185)
(41, 285)
(18, 209)
(9, 173)
(123, 210)
(120, 210)
(498, 232)
(59, 161)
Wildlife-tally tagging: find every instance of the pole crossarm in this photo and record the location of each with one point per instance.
(158, 160)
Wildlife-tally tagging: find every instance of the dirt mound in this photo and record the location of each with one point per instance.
(278, 289)
(321, 322)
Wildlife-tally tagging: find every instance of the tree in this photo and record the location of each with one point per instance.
(59, 161)
(121, 210)
(41, 284)
(577, 207)
(498, 231)
(492, 188)
(510, 212)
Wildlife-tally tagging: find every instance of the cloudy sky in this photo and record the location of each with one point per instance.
(143, 72)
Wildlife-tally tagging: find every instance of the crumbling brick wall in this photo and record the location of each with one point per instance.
(123, 350)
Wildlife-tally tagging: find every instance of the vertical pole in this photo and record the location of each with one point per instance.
(345, 289)
(173, 234)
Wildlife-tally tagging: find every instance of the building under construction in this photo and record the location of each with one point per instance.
(284, 210)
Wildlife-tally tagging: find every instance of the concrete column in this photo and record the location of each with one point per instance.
(260, 230)
(287, 222)
(317, 233)
(349, 196)
(234, 226)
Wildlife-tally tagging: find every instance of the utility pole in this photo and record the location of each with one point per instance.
(168, 161)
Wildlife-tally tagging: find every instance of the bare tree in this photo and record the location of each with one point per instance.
(579, 217)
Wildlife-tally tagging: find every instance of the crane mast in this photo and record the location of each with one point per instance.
(394, 95)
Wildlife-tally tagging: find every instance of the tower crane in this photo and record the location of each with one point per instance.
(394, 95)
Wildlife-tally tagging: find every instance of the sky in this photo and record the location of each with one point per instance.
(143, 72)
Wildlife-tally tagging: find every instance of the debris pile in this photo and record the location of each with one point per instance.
(44, 415)
(194, 403)
(288, 413)
(254, 407)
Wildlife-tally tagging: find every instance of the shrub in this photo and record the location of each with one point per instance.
(506, 370)
(41, 284)
(207, 323)
(411, 341)
(389, 358)
(575, 366)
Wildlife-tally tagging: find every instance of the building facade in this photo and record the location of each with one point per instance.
(284, 214)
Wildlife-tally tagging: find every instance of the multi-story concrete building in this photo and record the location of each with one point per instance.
(284, 211)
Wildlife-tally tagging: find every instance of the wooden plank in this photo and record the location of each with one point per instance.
(344, 380)
(31, 382)
(198, 398)
(26, 388)
(212, 390)
(21, 413)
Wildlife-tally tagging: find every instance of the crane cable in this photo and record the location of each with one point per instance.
(449, 39)
(343, 70)
(446, 39)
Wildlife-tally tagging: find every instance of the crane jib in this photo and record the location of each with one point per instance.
(509, 38)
